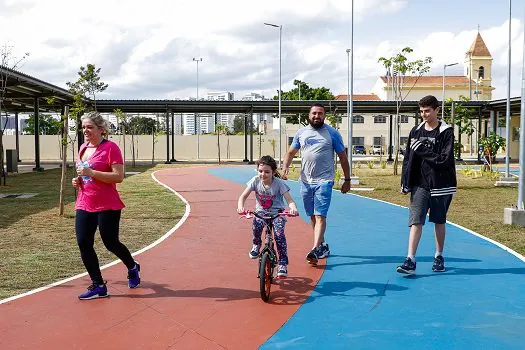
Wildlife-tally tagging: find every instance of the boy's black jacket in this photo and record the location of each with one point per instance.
(438, 164)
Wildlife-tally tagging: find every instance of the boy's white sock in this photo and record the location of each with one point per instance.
(438, 254)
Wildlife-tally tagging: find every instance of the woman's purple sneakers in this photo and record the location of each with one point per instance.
(95, 291)
(134, 276)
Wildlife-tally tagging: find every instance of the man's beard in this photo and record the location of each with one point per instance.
(316, 124)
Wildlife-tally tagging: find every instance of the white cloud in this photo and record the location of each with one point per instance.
(145, 49)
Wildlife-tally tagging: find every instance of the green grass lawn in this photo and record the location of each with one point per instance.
(39, 247)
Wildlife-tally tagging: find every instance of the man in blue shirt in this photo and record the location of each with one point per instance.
(317, 142)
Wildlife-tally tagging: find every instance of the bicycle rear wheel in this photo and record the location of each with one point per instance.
(265, 276)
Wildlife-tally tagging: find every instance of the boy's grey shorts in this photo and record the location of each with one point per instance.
(421, 202)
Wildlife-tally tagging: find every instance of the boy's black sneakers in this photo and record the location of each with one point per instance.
(439, 264)
(408, 267)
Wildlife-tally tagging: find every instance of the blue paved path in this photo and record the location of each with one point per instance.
(362, 303)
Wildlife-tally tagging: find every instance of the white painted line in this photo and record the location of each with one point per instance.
(158, 241)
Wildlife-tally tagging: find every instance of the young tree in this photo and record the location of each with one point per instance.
(122, 121)
(398, 67)
(47, 125)
(220, 129)
(302, 91)
(462, 119)
(89, 82)
(64, 132)
(238, 125)
(9, 61)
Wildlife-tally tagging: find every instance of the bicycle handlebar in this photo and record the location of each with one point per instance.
(248, 214)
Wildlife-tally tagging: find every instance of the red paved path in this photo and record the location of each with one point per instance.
(199, 289)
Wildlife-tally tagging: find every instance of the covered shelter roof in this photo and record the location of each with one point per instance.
(501, 105)
(21, 90)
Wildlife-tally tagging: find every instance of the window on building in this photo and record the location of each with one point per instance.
(379, 119)
(358, 141)
(378, 141)
(358, 119)
(481, 72)
(403, 119)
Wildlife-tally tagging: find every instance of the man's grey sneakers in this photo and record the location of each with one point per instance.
(313, 256)
(324, 250)
(408, 267)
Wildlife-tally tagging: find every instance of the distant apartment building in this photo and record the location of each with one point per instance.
(9, 125)
(207, 121)
(261, 120)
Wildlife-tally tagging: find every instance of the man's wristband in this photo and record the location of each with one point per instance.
(348, 180)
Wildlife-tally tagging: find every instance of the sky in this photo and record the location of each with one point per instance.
(145, 49)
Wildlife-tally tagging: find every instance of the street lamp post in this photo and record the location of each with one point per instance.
(350, 86)
(507, 116)
(280, 62)
(443, 99)
(521, 178)
(197, 130)
(349, 106)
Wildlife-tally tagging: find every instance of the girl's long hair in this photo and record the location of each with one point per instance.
(267, 160)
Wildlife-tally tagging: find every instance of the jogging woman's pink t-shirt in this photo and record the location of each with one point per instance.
(94, 195)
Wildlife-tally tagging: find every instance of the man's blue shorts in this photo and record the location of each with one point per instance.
(317, 197)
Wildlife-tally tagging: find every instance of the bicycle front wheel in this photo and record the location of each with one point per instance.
(265, 276)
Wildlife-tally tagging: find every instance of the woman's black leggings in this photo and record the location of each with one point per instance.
(108, 224)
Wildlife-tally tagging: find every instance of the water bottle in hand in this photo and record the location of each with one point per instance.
(85, 164)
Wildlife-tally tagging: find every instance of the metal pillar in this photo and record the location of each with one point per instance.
(245, 139)
(17, 138)
(37, 136)
(251, 137)
(390, 146)
(172, 160)
(167, 138)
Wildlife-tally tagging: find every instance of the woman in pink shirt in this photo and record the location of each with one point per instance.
(99, 168)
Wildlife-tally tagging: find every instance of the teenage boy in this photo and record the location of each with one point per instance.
(429, 174)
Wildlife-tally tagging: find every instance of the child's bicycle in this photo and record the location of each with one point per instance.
(267, 255)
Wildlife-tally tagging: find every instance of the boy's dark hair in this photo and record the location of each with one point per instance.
(318, 105)
(429, 101)
(267, 160)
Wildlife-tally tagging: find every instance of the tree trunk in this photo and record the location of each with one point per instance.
(219, 146)
(124, 147)
(396, 136)
(64, 161)
(2, 161)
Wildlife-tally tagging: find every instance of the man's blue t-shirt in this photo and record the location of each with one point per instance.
(317, 151)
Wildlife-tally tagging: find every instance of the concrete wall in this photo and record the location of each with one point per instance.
(232, 147)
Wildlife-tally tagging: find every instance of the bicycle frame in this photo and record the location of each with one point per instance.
(267, 256)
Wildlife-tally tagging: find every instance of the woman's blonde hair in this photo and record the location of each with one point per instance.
(97, 119)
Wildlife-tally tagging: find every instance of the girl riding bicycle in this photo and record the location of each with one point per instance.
(270, 193)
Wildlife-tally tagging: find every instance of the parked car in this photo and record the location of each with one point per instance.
(359, 149)
(376, 150)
